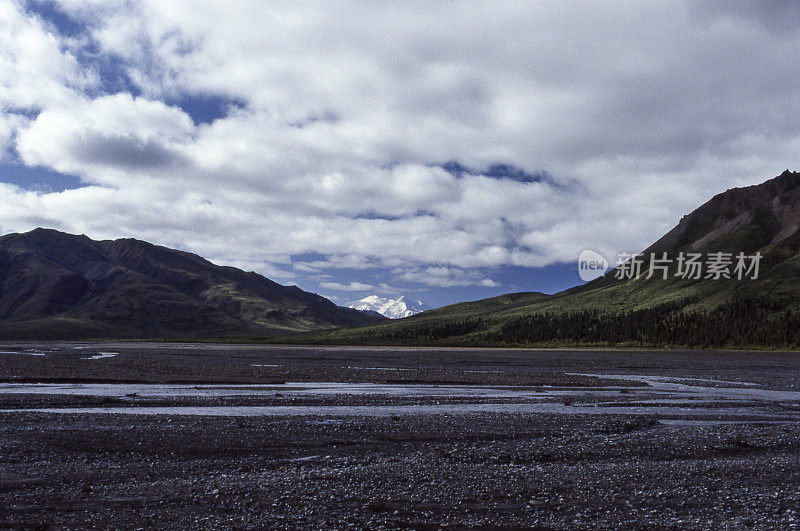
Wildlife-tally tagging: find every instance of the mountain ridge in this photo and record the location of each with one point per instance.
(54, 284)
(611, 311)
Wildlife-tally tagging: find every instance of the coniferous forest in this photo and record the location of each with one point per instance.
(741, 322)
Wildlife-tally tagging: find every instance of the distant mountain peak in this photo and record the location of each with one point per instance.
(391, 308)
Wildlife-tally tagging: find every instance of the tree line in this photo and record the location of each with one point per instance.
(741, 322)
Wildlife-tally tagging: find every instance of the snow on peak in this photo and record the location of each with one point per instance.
(391, 308)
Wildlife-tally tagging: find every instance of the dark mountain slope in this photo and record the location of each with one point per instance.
(674, 311)
(60, 285)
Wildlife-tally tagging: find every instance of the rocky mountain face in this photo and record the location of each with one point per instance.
(741, 219)
(391, 308)
(57, 285)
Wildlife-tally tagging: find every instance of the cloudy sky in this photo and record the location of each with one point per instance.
(448, 150)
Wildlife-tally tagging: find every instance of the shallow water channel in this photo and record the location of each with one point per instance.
(682, 398)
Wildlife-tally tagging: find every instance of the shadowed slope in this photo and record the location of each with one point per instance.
(61, 285)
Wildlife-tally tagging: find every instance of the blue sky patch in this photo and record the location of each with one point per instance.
(37, 178)
(497, 171)
(205, 108)
(49, 11)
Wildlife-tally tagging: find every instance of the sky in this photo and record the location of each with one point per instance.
(446, 151)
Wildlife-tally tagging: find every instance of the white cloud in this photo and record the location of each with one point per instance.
(111, 138)
(9, 124)
(352, 286)
(37, 69)
(444, 277)
(348, 110)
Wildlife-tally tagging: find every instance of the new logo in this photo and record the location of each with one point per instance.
(591, 265)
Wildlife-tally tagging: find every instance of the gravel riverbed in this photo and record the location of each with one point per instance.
(651, 466)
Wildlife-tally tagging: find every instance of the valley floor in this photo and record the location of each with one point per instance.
(205, 436)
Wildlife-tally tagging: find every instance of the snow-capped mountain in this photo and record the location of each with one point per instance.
(391, 308)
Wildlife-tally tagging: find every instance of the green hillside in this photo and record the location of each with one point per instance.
(680, 312)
